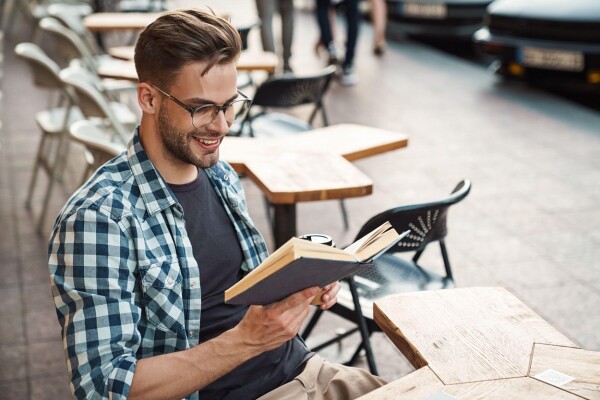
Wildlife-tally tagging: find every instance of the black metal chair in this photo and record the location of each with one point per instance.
(285, 92)
(392, 274)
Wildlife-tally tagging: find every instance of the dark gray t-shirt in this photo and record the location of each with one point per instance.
(218, 253)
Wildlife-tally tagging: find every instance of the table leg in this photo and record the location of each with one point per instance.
(284, 223)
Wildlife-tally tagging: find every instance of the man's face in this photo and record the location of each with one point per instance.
(182, 142)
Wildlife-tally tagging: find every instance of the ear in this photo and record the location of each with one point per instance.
(147, 99)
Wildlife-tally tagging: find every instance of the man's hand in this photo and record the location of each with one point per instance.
(329, 293)
(268, 327)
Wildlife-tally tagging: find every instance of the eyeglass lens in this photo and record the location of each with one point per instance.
(205, 115)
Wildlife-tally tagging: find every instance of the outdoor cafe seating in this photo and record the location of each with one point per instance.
(390, 273)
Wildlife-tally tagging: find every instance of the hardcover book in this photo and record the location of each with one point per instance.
(300, 264)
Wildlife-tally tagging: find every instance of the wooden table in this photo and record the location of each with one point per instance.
(310, 166)
(128, 21)
(124, 68)
(481, 343)
(119, 21)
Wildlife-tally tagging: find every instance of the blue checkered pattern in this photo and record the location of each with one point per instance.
(124, 279)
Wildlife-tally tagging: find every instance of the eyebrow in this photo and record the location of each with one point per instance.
(202, 102)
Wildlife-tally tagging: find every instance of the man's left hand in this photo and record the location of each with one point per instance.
(328, 296)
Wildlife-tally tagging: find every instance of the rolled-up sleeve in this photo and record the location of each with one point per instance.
(92, 266)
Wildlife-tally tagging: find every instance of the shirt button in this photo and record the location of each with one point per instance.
(226, 177)
(170, 282)
(193, 284)
(191, 334)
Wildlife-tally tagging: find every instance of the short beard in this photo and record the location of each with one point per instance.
(176, 145)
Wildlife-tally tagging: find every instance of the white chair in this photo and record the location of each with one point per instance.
(52, 122)
(98, 148)
(33, 11)
(96, 106)
(69, 16)
(73, 49)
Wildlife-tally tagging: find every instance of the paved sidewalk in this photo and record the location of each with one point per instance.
(531, 223)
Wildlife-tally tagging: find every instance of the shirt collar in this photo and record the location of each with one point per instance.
(153, 189)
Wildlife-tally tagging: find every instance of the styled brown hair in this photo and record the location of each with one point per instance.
(179, 37)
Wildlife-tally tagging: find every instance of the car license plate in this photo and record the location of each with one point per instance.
(552, 59)
(420, 10)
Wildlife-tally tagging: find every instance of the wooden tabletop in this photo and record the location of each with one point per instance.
(481, 343)
(124, 68)
(465, 335)
(123, 21)
(310, 166)
(351, 141)
(113, 21)
(424, 384)
(582, 365)
(292, 177)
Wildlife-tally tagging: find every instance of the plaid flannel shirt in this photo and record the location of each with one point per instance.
(124, 279)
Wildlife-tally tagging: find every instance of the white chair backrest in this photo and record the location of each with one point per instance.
(95, 140)
(45, 70)
(46, 73)
(70, 16)
(91, 100)
(69, 45)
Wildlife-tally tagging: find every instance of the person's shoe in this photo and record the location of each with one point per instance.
(348, 77)
(379, 49)
(332, 57)
(287, 68)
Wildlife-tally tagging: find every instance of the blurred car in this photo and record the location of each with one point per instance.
(456, 18)
(555, 42)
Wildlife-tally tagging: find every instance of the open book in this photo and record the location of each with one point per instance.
(300, 264)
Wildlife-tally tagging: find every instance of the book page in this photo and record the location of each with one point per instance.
(369, 238)
(375, 247)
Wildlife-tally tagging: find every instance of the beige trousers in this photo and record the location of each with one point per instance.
(322, 380)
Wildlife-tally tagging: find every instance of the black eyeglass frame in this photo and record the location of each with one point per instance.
(218, 108)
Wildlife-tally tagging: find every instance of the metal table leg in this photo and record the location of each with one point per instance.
(284, 223)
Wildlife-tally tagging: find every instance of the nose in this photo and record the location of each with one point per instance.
(219, 123)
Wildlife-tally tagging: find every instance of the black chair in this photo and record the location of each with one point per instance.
(392, 274)
(286, 91)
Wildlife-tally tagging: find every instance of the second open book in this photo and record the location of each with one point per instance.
(300, 264)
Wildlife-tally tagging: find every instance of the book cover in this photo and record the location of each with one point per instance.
(300, 264)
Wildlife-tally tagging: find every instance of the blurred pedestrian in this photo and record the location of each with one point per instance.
(347, 75)
(266, 10)
(379, 20)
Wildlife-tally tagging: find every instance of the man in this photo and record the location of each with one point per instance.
(140, 256)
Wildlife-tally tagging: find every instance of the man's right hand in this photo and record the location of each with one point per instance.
(268, 327)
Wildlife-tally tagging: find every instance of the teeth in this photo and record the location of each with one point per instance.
(207, 142)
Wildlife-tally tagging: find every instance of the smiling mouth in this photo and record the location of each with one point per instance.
(208, 142)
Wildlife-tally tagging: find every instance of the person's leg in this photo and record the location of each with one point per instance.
(325, 29)
(379, 19)
(322, 380)
(265, 9)
(352, 21)
(286, 10)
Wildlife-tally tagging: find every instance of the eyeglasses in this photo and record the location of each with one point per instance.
(204, 115)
